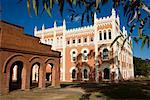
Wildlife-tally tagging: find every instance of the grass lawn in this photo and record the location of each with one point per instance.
(138, 89)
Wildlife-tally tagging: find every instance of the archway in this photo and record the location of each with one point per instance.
(48, 77)
(106, 73)
(73, 73)
(34, 76)
(15, 80)
(85, 74)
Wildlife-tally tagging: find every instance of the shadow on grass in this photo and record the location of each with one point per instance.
(123, 90)
(85, 96)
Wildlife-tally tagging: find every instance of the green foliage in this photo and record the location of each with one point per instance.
(142, 67)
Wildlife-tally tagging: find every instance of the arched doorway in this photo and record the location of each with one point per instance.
(106, 73)
(73, 73)
(34, 76)
(48, 77)
(85, 74)
(15, 80)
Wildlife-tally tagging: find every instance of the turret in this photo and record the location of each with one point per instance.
(55, 25)
(95, 17)
(113, 13)
(35, 30)
(43, 27)
(64, 24)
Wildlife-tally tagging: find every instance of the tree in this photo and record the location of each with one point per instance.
(142, 67)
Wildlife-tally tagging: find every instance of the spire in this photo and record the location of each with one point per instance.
(55, 25)
(35, 30)
(64, 23)
(43, 27)
(113, 12)
(95, 17)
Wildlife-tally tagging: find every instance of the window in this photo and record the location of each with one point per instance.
(106, 73)
(105, 53)
(73, 74)
(73, 52)
(85, 55)
(105, 37)
(79, 40)
(109, 34)
(100, 35)
(73, 41)
(85, 39)
(68, 42)
(91, 39)
(84, 51)
(73, 59)
(85, 74)
(51, 41)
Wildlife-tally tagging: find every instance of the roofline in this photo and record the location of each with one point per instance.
(4, 21)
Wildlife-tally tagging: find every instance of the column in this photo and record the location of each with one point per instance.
(64, 49)
(26, 77)
(42, 74)
(56, 74)
(96, 48)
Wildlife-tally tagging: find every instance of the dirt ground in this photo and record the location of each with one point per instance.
(129, 90)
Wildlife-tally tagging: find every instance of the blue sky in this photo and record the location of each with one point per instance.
(17, 14)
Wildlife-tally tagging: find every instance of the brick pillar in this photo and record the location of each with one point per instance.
(5, 82)
(56, 74)
(25, 77)
(42, 74)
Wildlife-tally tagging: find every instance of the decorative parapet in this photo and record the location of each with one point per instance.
(80, 29)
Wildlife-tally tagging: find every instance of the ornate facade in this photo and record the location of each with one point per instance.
(86, 52)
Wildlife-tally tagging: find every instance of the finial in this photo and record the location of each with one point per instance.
(64, 22)
(35, 28)
(95, 17)
(43, 27)
(55, 25)
(113, 12)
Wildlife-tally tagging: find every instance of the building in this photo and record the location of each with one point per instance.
(20, 54)
(86, 52)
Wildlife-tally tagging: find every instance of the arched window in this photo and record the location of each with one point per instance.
(105, 37)
(85, 52)
(106, 73)
(100, 35)
(109, 34)
(79, 40)
(85, 74)
(105, 53)
(73, 54)
(68, 42)
(85, 39)
(73, 74)
(91, 39)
